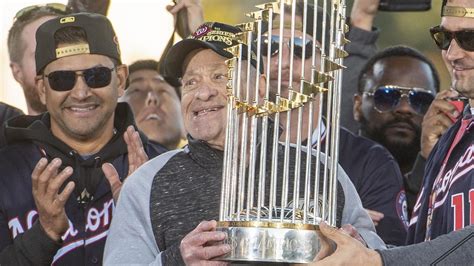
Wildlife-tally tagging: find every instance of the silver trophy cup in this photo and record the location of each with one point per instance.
(278, 182)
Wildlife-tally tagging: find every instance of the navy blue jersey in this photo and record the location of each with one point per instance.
(446, 201)
(378, 181)
(89, 221)
(6, 112)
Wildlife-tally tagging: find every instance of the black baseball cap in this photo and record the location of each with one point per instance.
(100, 35)
(210, 35)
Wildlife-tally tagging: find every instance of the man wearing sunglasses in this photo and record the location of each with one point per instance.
(59, 212)
(370, 166)
(167, 232)
(396, 87)
(445, 202)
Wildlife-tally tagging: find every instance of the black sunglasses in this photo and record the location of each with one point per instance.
(57, 8)
(298, 46)
(64, 80)
(443, 38)
(387, 97)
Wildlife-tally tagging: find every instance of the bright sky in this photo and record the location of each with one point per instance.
(143, 28)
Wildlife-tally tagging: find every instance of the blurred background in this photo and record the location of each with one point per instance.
(144, 27)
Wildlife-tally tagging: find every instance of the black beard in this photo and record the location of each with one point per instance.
(404, 152)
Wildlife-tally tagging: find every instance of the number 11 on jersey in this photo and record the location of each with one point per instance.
(457, 202)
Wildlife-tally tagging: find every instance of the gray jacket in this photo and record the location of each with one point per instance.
(455, 248)
(163, 201)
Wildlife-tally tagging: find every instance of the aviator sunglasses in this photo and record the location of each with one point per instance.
(298, 46)
(95, 77)
(387, 97)
(443, 38)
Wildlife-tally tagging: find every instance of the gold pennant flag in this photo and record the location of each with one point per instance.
(275, 6)
(309, 88)
(331, 66)
(320, 77)
(340, 53)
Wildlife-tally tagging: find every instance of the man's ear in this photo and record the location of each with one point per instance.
(122, 75)
(357, 108)
(40, 86)
(16, 72)
(262, 86)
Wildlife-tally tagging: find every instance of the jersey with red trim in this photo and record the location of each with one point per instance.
(446, 201)
(89, 221)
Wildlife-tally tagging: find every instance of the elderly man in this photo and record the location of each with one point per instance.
(182, 188)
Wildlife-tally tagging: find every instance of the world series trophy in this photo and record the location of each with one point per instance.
(276, 189)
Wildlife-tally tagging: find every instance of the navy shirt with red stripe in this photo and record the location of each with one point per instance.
(446, 201)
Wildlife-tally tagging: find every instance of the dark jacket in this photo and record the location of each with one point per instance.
(378, 181)
(6, 112)
(22, 241)
(454, 186)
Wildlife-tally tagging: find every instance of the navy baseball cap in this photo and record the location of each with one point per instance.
(210, 35)
(100, 35)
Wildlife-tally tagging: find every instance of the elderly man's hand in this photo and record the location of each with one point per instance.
(136, 157)
(46, 183)
(197, 247)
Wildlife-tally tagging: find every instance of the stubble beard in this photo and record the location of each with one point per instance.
(404, 152)
(33, 100)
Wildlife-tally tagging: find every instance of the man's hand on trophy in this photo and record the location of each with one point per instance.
(199, 246)
(47, 181)
(136, 157)
(349, 251)
(375, 216)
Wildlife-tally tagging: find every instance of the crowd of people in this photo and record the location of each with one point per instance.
(122, 164)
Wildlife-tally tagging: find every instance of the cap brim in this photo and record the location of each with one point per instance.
(174, 60)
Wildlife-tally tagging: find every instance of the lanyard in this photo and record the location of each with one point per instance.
(465, 125)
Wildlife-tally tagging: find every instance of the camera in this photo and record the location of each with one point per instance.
(404, 5)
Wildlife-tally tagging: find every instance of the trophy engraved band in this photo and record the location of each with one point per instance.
(277, 188)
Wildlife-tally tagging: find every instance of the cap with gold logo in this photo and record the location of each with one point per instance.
(100, 35)
(210, 35)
